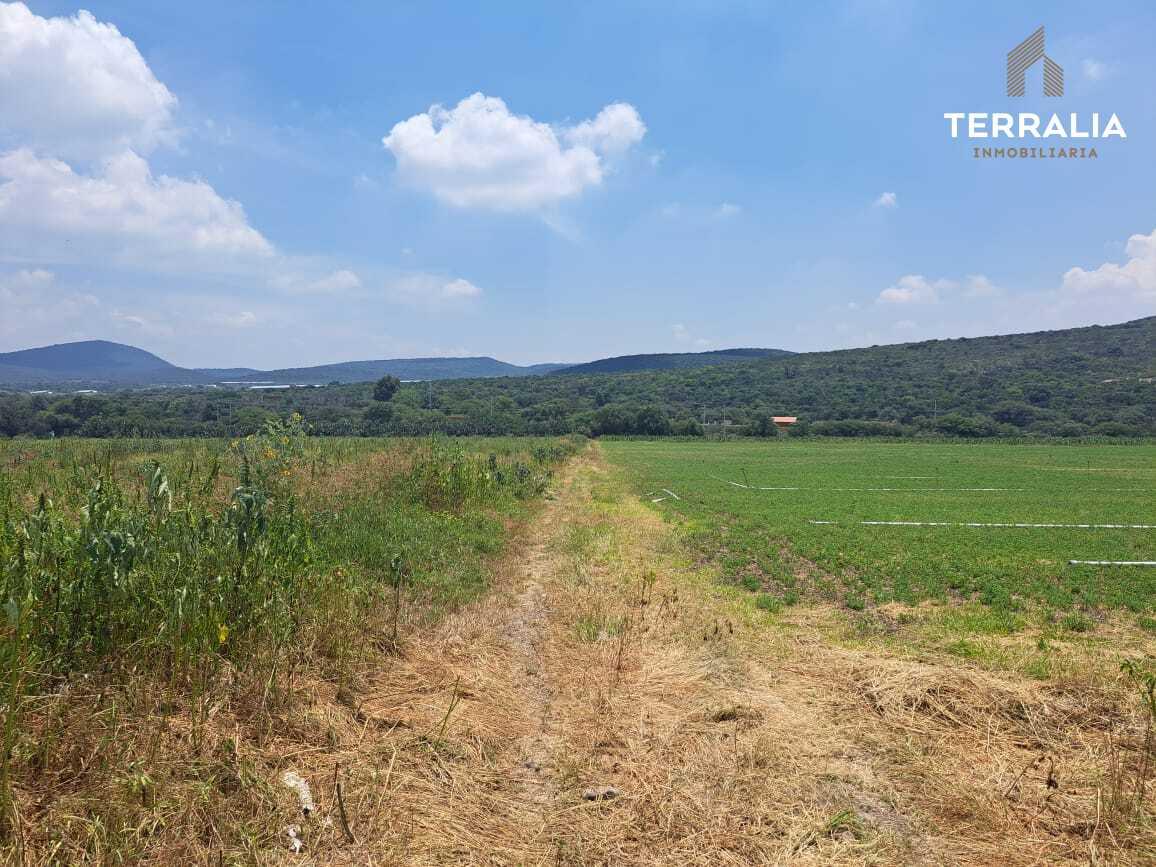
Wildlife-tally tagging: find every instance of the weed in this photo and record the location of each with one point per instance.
(1129, 780)
(197, 576)
(1077, 622)
(769, 603)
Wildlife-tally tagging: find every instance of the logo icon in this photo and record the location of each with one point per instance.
(1024, 56)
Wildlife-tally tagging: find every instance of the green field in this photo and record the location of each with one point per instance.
(763, 538)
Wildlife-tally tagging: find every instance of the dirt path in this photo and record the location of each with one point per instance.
(608, 704)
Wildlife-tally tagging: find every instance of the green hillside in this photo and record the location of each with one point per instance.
(669, 361)
(1095, 380)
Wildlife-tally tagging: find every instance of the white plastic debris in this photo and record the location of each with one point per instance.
(297, 783)
(292, 832)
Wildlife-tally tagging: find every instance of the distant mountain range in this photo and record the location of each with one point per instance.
(102, 364)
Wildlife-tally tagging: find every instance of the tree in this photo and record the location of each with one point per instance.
(386, 387)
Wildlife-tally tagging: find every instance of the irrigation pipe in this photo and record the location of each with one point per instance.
(1112, 562)
(1013, 525)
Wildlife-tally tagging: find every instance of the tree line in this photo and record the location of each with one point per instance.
(1088, 381)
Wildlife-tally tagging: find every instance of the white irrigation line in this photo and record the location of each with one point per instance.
(672, 493)
(1112, 562)
(1013, 525)
(665, 491)
(844, 490)
(724, 481)
(918, 490)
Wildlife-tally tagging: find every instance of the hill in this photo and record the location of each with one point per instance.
(95, 361)
(1097, 379)
(102, 364)
(670, 361)
(402, 368)
(1075, 382)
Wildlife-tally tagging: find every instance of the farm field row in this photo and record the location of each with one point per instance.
(870, 523)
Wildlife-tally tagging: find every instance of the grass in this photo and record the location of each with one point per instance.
(767, 719)
(148, 582)
(764, 538)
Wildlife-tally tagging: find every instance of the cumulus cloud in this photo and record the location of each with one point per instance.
(480, 155)
(1135, 280)
(979, 286)
(79, 109)
(431, 292)
(887, 200)
(914, 289)
(975, 305)
(615, 129)
(917, 289)
(50, 211)
(460, 289)
(76, 87)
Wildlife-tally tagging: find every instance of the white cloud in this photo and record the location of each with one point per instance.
(77, 87)
(887, 200)
(28, 280)
(338, 281)
(615, 129)
(479, 155)
(49, 211)
(1095, 70)
(1133, 281)
(240, 319)
(333, 283)
(431, 292)
(979, 286)
(460, 289)
(914, 289)
(142, 324)
(727, 210)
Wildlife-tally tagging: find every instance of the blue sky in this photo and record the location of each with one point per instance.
(265, 184)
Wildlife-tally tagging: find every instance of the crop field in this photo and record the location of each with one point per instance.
(870, 523)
